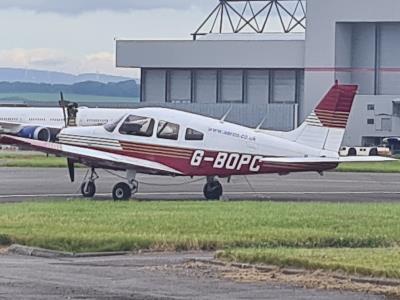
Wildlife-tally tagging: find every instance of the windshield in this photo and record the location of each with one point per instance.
(110, 127)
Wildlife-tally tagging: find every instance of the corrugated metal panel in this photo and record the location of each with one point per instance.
(363, 57)
(205, 85)
(179, 85)
(231, 86)
(284, 86)
(389, 77)
(257, 86)
(154, 86)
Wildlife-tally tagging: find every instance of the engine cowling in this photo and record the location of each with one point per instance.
(35, 133)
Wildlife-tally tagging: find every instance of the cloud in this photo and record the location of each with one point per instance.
(57, 60)
(83, 6)
(32, 57)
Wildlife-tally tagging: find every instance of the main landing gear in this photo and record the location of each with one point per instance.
(122, 191)
(212, 189)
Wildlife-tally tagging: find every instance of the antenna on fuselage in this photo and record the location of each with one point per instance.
(261, 123)
(226, 114)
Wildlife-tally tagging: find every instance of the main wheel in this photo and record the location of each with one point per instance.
(88, 189)
(122, 192)
(213, 190)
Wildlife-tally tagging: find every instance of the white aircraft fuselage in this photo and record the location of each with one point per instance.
(53, 116)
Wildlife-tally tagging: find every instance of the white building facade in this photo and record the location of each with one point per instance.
(280, 77)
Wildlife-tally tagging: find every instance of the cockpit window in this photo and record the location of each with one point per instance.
(193, 135)
(136, 125)
(110, 127)
(167, 130)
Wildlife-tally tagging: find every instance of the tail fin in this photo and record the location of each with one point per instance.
(324, 128)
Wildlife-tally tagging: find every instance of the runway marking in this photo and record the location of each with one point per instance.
(198, 194)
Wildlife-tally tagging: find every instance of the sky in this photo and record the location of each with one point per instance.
(77, 36)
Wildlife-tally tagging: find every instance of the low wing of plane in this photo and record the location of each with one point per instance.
(94, 158)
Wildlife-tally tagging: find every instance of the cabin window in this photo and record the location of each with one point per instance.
(167, 130)
(110, 127)
(136, 125)
(193, 135)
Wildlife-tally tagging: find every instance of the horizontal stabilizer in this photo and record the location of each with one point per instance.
(349, 159)
(315, 160)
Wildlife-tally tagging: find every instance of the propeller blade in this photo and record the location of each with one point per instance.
(62, 105)
(71, 169)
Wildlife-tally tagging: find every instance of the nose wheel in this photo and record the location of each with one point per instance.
(88, 187)
(212, 189)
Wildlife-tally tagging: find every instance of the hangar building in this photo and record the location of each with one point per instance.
(276, 59)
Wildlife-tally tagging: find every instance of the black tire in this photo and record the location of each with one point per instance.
(352, 152)
(373, 152)
(122, 192)
(213, 190)
(88, 189)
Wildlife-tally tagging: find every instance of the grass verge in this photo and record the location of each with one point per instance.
(80, 226)
(379, 262)
(383, 167)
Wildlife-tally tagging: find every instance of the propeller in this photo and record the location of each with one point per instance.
(71, 169)
(63, 105)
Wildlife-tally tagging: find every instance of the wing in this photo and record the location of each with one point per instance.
(90, 157)
(315, 160)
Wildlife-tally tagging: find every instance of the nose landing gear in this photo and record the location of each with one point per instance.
(212, 189)
(88, 187)
(121, 192)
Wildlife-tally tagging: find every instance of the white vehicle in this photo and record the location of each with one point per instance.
(161, 141)
(364, 151)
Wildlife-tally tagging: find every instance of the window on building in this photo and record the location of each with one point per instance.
(283, 86)
(136, 125)
(167, 130)
(370, 107)
(370, 121)
(231, 86)
(179, 86)
(193, 135)
(386, 124)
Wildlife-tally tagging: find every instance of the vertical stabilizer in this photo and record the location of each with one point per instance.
(324, 128)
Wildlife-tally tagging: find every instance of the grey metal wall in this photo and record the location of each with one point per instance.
(210, 54)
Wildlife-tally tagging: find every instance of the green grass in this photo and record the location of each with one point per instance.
(383, 167)
(35, 160)
(51, 162)
(379, 262)
(102, 226)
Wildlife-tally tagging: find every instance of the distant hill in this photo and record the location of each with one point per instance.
(127, 88)
(38, 76)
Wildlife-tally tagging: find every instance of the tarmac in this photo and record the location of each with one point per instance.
(27, 184)
(141, 277)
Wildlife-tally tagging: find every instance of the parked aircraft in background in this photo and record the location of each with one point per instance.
(45, 123)
(162, 141)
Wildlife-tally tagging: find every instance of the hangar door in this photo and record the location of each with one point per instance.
(153, 89)
(257, 86)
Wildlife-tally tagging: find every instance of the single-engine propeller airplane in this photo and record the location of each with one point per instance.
(168, 142)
